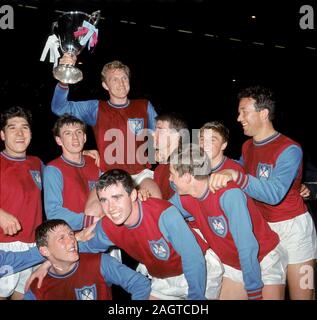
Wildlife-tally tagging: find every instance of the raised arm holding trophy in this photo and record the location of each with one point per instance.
(71, 33)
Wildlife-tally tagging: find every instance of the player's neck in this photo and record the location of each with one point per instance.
(134, 216)
(199, 188)
(118, 101)
(62, 268)
(217, 160)
(264, 132)
(14, 154)
(73, 157)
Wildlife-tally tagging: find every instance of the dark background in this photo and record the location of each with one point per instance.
(191, 73)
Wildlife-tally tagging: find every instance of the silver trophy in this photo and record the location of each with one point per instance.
(74, 30)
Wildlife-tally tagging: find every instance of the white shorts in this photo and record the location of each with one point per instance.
(298, 237)
(139, 177)
(273, 268)
(16, 281)
(176, 288)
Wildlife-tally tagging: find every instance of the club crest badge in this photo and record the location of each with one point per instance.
(86, 293)
(264, 171)
(218, 225)
(36, 176)
(136, 125)
(160, 249)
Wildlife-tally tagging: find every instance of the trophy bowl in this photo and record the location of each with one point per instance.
(73, 30)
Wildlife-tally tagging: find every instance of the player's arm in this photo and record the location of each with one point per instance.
(234, 203)
(176, 231)
(83, 110)
(273, 190)
(99, 243)
(176, 201)
(12, 262)
(119, 274)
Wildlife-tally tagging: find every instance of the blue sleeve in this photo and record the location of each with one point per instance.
(53, 199)
(83, 110)
(99, 243)
(119, 274)
(273, 190)
(29, 295)
(176, 231)
(12, 262)
(151, 116)
(234, 204)
(176, 201)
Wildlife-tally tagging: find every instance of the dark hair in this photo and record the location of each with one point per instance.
(218, 127)
(67, 119)
(15, 112)
(176, 121)
(41, 232)
(115, 176)
(264, 99)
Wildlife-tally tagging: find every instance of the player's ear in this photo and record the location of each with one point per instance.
(44, 251)
(58, 140)
(2, 135)
(134, 195)
(104, 85)
(224, 146)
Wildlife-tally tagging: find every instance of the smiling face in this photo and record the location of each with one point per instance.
(16, 136)
(117, 83)
(61, 249)
(212, 143)
(117, 204)
(72, 139)
(249, 117)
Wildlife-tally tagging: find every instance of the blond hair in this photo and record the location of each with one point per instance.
(113, 66)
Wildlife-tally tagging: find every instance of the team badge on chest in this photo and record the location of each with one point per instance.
(86, 293)
(36, 176)
(160, 249)
(218, 225)
(264, 171)
(136, 125)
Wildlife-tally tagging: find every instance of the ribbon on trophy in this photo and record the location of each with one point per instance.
(52, 45)
(89, 33)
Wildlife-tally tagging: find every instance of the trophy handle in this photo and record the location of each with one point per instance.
(95, 16)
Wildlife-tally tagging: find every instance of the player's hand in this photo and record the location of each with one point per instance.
(39, 274)
(304, 191)
(9, 223)
(220, 179)
(143, 194)
(93, 154)
(68, 58)
(86, 234)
